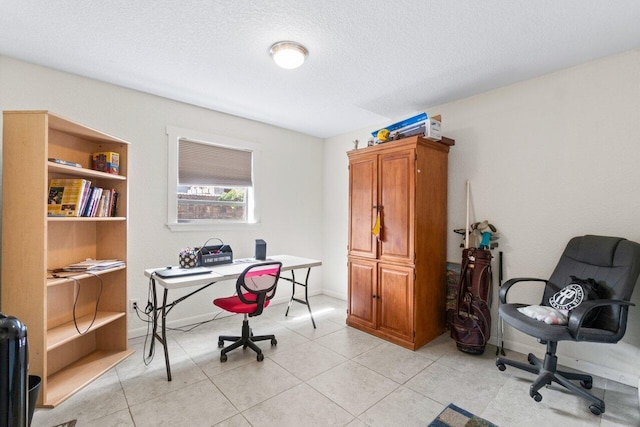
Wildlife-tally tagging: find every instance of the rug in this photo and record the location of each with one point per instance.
(452, 416)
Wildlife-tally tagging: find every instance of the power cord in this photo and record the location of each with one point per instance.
(77, 296)
(147, 359)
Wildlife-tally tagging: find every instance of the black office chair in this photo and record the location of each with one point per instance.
(614, 263)
(255, 288)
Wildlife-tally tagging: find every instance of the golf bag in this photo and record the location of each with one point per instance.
(471, 323)
(13, 372)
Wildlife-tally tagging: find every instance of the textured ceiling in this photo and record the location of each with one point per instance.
(370, 61)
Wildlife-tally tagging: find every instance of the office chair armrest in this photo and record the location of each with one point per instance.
(509, 283)
(579, 314)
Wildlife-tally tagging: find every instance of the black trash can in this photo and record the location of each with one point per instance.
(34, 388)
(14, 359)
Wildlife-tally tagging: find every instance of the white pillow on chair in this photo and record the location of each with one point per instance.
(548, 315)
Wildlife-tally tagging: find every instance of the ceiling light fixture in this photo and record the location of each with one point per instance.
(288, 55)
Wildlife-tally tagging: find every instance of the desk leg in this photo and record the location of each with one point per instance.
(154, 317)
(306, 294)
(162, 338)
(164, 334)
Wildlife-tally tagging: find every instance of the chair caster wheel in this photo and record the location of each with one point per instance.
(537, 396)
(531, 359)
(223, 357)
(260, 357)
(274, 342)
(501, 366)
(220, 344)
(595, 409)
(587, 384)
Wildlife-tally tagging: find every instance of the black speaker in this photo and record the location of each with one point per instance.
(261, 249)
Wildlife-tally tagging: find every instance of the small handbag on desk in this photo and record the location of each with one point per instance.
(188, 258)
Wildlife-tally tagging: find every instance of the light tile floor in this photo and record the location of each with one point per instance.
(330, 376)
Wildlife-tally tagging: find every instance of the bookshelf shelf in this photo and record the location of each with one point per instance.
(82, 172)
(67, 332)
(65, 359)
(64, 384)
(69, 277)
(85, 218)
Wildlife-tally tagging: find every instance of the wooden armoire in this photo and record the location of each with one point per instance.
(397, 277)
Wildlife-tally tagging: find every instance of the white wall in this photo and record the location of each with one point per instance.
(291, 194)
(548, 159)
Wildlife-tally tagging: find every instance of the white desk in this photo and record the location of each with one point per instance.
(218, 274)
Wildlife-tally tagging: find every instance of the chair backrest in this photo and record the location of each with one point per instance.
(259, 281)
(611, 261)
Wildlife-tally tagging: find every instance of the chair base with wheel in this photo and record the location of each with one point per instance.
(547, 373)
(246, 340)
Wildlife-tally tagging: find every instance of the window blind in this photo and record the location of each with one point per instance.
(204, 164)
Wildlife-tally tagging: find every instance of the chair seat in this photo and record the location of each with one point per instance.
(510, 314)
(233, 304)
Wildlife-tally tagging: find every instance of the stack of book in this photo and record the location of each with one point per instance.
(77, 197)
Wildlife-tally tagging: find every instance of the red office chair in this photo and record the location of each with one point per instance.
(255, 288)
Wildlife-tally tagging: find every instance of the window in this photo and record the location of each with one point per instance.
(211, 180)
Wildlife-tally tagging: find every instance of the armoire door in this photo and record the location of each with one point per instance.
(363, 292)
(395, 300)
(363, 197)
(396, 186)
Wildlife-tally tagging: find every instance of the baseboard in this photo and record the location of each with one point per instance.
(336, 295)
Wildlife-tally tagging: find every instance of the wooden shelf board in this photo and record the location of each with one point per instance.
(74, 377)
(66, 277)
(75, 171)
(67, 332)
(86, 218)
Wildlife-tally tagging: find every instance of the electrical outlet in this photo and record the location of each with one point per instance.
(133, 304)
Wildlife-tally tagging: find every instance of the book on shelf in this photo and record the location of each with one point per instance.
(66, 196)
(93, 265)
(85, 197)
(101, 202)
(108, 206)
(95, 201)
(64, 162)
(114, 204)
(87, 206)
(104, 206)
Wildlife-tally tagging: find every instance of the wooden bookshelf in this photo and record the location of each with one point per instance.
(35, 245)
